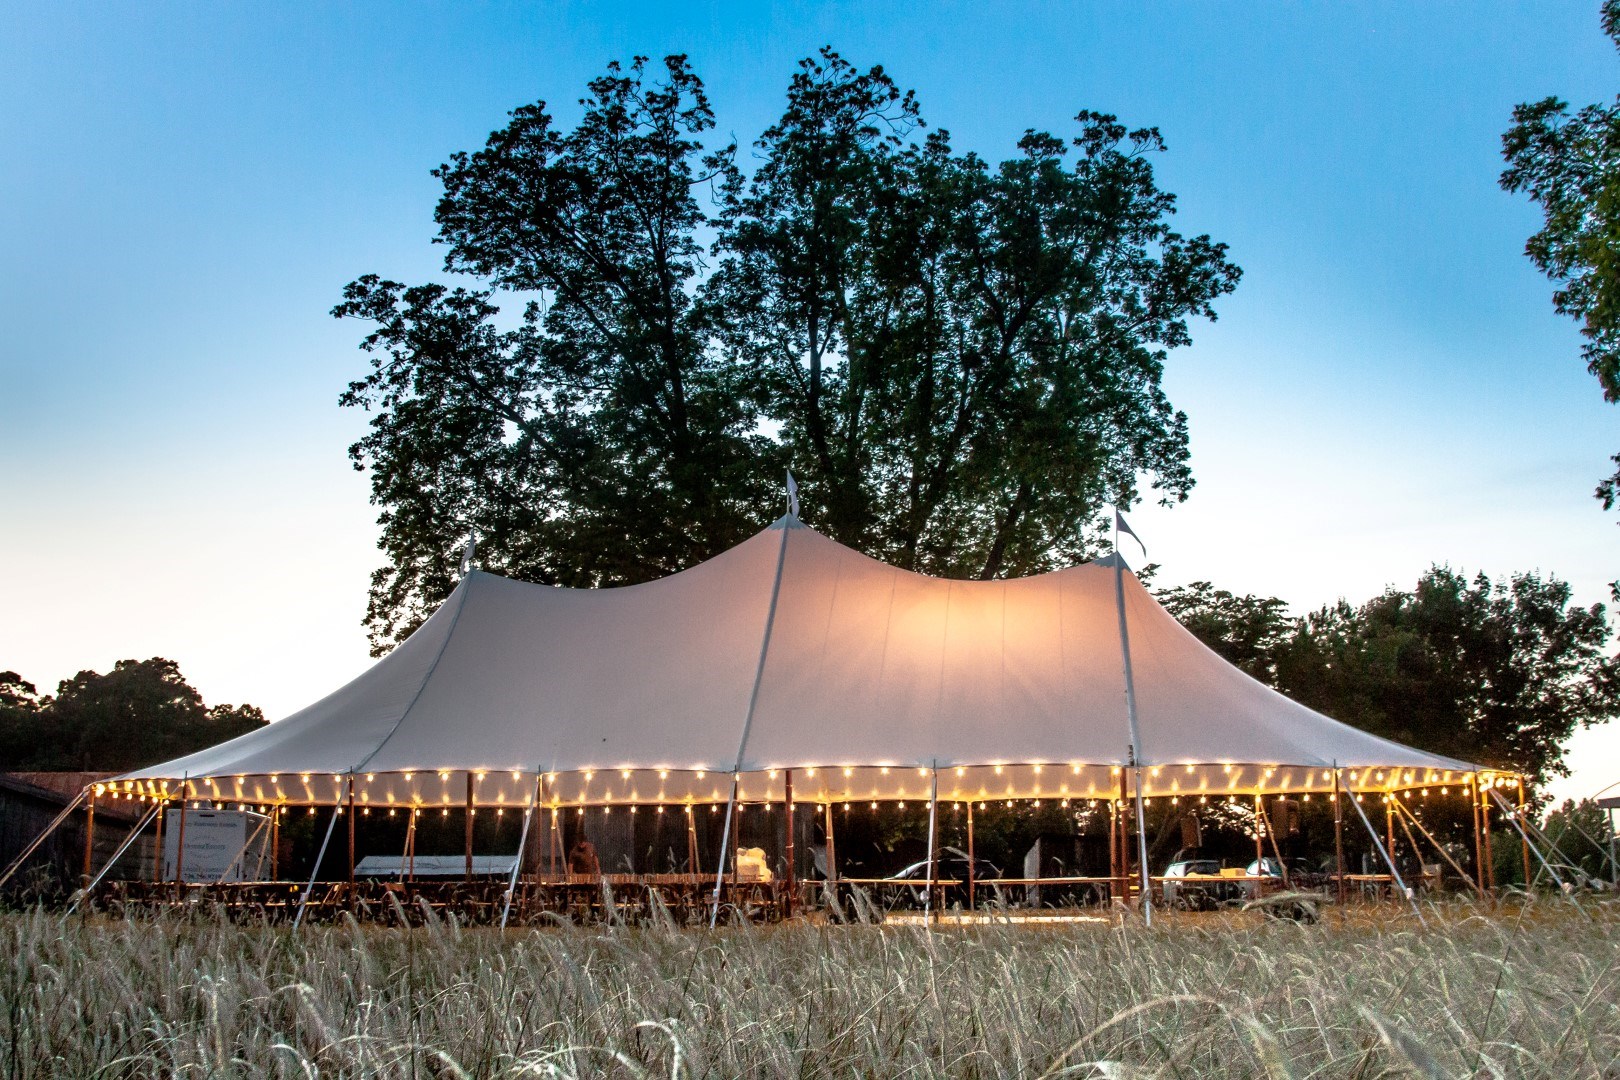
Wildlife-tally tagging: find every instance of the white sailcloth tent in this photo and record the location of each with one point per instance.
(792, 652)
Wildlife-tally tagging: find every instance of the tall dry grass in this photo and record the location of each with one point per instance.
(1509, 992)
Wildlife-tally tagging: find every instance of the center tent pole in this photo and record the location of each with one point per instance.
(1134, 752)
(788, 523)
(303, 901)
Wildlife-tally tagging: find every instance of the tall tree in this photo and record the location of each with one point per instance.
(1498, 673)
(1569, 163)
(962, 359)
(139, 713)
(1248, 631)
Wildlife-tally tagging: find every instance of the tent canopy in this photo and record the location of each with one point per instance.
(791, 651)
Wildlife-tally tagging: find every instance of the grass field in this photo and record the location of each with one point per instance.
(1513, 992)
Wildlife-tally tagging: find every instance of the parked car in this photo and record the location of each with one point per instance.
(1300, 876)
(952, 863)
(1196, 884)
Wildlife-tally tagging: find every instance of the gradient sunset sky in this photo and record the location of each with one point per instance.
(184, 190)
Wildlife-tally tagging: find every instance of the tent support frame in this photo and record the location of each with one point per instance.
(1389, 861)
(314, 871)
(89, 889)
(523, 846)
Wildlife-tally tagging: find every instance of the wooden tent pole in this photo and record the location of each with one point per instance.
(792, 878)
(1338, 837)
(469, 846)
(1259, 840)
(1488, 875)
(89, 834)
(691, 840)
(350, 877)
(971, 867)
(1479, 843)
(157, 856)
(1524, 840)
(832, 846)
(1389, 822)
(275, 843)
(180, 842)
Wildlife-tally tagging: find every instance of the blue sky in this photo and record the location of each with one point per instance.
(184, 190)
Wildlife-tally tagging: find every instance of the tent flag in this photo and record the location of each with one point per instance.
(467, 554)
(793, 496)
(1121, 527)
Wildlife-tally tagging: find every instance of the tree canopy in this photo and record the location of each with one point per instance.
(1569, 163)
(1498, 673)
(139, 713)
(960, 358)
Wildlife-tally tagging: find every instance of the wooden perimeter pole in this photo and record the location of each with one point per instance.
(972, 867)
(469, 826)
(1479, 842)
(930, 911)
(1524, 841)
(89, 835)
(275, 843)
(792, 878)
(1488, 877)
(350, 877)
(1338, 837)
(157, 856)
(180, 843)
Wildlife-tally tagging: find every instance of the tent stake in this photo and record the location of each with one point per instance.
(303, 901)
(1394, 874)
(89, 889)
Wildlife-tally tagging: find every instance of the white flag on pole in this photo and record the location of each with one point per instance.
(793, 496)
(467, 554)
(1121, 527)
